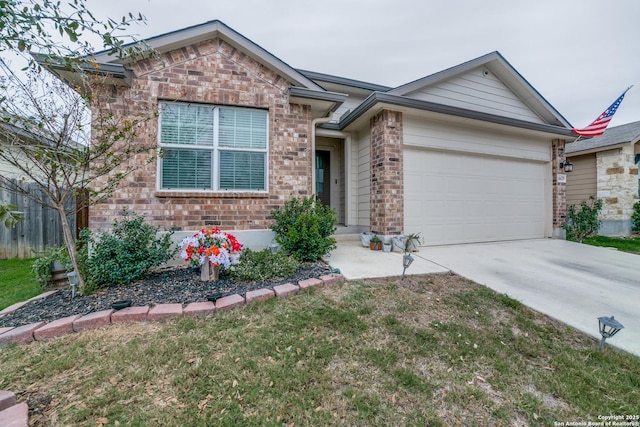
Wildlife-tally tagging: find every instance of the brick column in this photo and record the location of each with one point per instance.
(559, 188)
(387, 181)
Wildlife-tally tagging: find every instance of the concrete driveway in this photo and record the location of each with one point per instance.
(571, 282)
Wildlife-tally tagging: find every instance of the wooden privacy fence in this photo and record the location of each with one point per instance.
(40, 229)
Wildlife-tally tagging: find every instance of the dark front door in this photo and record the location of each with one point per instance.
(323, 180)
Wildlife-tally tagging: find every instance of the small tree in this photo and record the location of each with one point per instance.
(583, 222)
(44, 135)
(43, 125)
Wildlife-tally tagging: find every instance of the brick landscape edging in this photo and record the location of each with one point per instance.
(41, 331)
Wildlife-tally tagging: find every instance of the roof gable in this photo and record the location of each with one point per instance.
(488, 84)
(208, 31)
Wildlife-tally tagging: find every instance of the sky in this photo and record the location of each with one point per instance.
(579, 54)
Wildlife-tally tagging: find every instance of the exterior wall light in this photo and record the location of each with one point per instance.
(566, 166)
(608, 328)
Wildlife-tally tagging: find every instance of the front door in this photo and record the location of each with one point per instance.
(323, 180)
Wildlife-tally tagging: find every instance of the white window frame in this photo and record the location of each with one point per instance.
(215, 149)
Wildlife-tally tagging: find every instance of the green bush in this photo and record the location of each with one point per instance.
(635, 218)
(126, 253)
(584, 222)
(42, 265)
(304, 227)
(263, 265)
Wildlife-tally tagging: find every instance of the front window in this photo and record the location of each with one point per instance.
(213, 148)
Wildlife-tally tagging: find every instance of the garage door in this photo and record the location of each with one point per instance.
(460, 198)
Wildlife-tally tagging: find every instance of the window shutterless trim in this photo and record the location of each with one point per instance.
(215, 149)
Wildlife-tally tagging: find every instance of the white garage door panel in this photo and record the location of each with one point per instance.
(459, 198)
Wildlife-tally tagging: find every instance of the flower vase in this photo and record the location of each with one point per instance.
(209, 272)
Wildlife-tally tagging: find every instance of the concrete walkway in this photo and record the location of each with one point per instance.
(357, 262)
(568, 281)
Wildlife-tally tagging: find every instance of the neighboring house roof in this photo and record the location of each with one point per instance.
(613, 137)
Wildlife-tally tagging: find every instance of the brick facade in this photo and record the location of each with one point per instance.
(387, 182)
(211, 72)
(559, 188)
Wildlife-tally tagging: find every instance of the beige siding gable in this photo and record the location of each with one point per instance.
(477, 90)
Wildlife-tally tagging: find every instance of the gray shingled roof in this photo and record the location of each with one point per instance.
(612, 136)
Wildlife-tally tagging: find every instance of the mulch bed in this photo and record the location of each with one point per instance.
(178, 285)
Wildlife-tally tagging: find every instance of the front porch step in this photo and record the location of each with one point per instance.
(347, 237)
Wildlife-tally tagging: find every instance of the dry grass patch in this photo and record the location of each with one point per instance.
(433, 350)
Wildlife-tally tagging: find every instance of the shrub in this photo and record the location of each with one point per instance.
(635, 218)
(304, 227)
(42, 265)
(263, 265)
(584, 222)
(127, 252)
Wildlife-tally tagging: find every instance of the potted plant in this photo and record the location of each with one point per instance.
(375, 244)
(398, 243)
(211, 250)
(52, 266)
(365, 238)
(412, 242)
(386, 246)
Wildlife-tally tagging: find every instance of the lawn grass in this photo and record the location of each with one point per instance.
(631, 244)
(430, 350)
(17, 281)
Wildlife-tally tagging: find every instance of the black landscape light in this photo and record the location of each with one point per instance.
(608, 328)
(407, 259)
(73, 281)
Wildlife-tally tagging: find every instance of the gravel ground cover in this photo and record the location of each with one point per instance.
(176, 285)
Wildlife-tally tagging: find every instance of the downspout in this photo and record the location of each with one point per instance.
(314, 123)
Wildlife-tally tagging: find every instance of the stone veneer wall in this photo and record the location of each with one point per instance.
(211, 72)
(387, 181)
(618, 188)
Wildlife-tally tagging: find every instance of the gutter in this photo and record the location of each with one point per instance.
(402, 101)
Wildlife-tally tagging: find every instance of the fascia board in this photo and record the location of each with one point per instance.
(401, 101)
(210, 30)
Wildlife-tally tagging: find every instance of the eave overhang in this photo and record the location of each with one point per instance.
(74, 75)
(377, 100)
(321, 102)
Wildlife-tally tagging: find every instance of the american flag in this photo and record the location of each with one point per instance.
(599, 125)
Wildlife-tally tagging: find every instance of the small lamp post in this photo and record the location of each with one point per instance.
(608, 328)
(407, 259)
(73, 281)
(274, 247)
